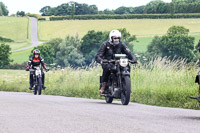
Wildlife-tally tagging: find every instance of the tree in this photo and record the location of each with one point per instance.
(138, 10)
(5, 56)
(68, 54)
(45, 11)
(20, 13)
(46, 52)
(54, 43)
(91, 43)
(106, 11)
(122, 10)
(3, 10)
(175, 44)
(127, 38)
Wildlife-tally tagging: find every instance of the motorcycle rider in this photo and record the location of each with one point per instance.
(36, 60)
(107, 51)
(198, 46)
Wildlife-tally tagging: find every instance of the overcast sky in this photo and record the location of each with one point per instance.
(33, 6)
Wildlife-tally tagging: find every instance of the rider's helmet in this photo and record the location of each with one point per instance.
(115, 36)
(36, 51)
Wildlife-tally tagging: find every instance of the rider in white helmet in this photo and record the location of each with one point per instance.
(107, 51)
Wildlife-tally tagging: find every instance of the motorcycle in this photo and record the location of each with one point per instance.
(37, 79)
(197, 81)
(119, 84)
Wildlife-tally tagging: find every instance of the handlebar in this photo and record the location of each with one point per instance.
(32, 69)
(111, 61)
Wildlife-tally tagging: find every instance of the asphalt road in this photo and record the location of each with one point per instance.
(34, 35)
(26, 113)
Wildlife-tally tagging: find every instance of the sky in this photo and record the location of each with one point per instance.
(34, 6)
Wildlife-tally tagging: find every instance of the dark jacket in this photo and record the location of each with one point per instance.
(198, 46)
(36, 62)
(107, 51)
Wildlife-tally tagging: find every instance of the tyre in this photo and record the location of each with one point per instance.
(125, 95)
(109, 99)
(35, 90)
(39, 87)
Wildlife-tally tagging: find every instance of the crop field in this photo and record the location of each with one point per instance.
(161, 82)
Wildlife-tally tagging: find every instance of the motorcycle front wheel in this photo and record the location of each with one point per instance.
(39, 87)
(125, 94)
(109, 99)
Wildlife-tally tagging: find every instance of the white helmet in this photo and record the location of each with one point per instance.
(114, 33)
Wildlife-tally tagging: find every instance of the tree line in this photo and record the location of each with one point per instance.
(153, 7)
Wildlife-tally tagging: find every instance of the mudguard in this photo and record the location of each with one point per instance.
(197, 80)
(125, 73)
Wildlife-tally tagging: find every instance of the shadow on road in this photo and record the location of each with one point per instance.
(104, 103)
(191, 118)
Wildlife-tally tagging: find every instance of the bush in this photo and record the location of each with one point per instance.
(18, 66)
(42, 19)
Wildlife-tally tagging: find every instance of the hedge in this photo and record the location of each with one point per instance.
(2, 39)
(126, 16)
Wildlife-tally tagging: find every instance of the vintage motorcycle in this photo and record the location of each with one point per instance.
(37, 79)
(197, 81)
(119, 85)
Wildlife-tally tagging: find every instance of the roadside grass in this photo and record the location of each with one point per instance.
(161, 82)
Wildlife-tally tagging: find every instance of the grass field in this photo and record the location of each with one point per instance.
(21, 56)
(161, 83)
(14, 28)
(142, 42)
(18, 29)
(139, 27)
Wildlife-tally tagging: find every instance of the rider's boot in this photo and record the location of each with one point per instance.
(101, 91)
(43, 86)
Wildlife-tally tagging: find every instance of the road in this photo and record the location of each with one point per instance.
(26, 113)
(34, 35)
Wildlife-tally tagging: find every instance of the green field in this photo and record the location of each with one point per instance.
(163, 83)
(142, 42)
(15, 28)
(21, 56)
(139, 27)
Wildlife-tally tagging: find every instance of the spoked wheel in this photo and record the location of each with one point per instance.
(125, 95)
(109, 99)
(39, 87)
